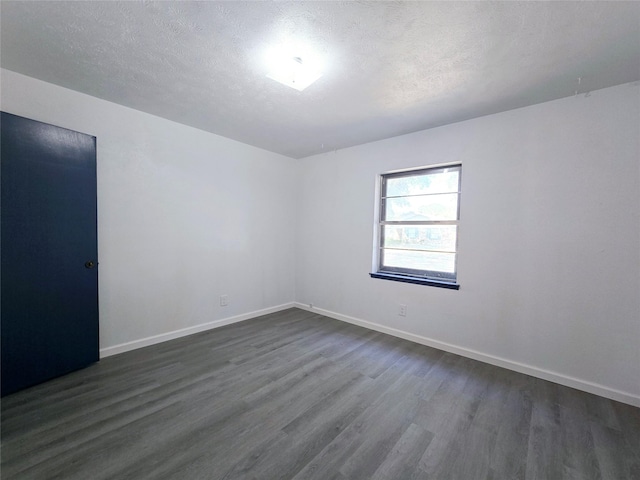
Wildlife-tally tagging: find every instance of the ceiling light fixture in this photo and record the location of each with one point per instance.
(293, 72)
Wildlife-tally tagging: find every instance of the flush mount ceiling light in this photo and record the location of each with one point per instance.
(293, 72)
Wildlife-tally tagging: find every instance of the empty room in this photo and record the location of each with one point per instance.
(320, 240)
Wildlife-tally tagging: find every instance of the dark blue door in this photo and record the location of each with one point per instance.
(49, 252)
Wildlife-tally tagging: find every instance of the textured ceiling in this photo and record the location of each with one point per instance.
(391, 67)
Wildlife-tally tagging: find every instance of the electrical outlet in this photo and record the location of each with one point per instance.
(403, 310)
(224, 300)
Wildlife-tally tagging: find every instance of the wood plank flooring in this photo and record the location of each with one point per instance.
(295, 395)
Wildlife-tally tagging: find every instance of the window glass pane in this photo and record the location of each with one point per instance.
(433, 237)
(434, 261)
(442, 181)
(428, 207)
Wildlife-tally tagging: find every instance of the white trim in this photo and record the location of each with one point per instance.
(183, 332)
(551, 376)
(424, 167)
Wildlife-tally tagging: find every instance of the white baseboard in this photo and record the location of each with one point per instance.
(586, 386)
(183, 332)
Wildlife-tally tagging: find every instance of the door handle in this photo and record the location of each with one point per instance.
(89, 264)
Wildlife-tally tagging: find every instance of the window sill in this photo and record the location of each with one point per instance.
(416, 280)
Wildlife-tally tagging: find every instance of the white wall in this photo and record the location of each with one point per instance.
(183, 216)
(549, 242)
(549, 261)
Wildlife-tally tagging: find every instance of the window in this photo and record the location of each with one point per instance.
(418, 226)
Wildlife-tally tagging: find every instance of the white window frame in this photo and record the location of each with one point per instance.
(427, 277)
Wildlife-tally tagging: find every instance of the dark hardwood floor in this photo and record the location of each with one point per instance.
(295, 395)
